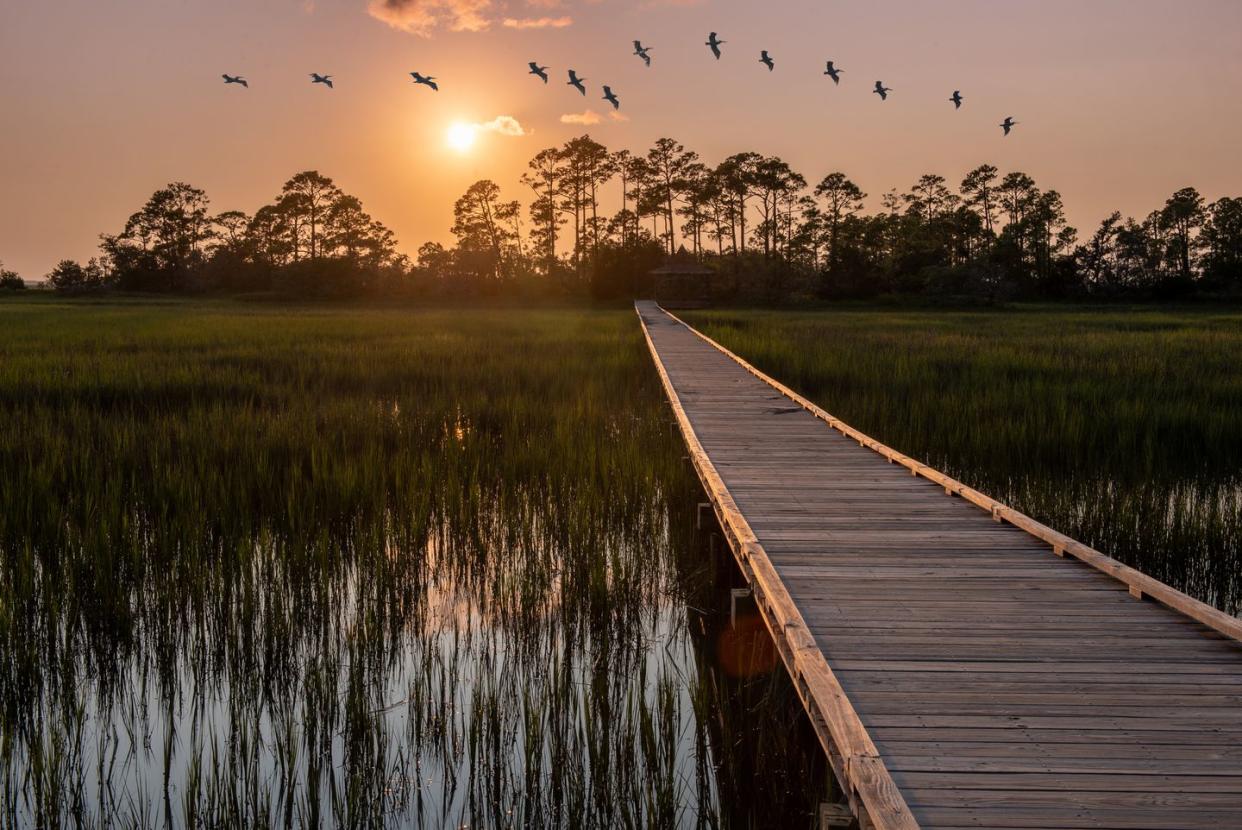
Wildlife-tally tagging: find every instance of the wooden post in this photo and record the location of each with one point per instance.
(834, 815)
(698, 519)
(734, 595)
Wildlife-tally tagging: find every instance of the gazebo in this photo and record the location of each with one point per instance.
(684, 282)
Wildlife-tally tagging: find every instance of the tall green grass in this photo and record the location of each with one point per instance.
(1121, 428)
(359, 568)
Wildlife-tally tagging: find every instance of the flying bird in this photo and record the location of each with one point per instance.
(425, 81)
(326, 80)
(881, 90)
(236, 79)
(540, 71)
(576, 82)
(1008, 124)
(834, 73)
(611, 98)
(642, 51)
(766, 60)
(714, 43)
(956, 98)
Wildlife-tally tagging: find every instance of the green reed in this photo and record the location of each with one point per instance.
(1120, 427)
(356, 568)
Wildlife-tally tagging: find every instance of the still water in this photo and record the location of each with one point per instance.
(443, 680)
(373, 576)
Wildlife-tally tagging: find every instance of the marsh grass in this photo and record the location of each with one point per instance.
(362, 568)
(1122, 428)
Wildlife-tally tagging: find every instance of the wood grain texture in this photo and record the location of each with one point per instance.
(872, 794)
(958, 673)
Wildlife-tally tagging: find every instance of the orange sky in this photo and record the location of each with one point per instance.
(1120, 101)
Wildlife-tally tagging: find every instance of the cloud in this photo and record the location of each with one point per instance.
(503, 125)
(421, 17)
(424, 17)
(591, 118)
(585, 119)
(537, 22)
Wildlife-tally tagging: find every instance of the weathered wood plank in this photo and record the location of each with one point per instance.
(1070, 780)
(958, 674)
(855, 759)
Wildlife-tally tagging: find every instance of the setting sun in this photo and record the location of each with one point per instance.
(461, 137)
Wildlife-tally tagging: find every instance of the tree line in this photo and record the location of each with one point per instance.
(598, 221)
(313, 239)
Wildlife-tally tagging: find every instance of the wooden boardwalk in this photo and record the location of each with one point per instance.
(963, 665)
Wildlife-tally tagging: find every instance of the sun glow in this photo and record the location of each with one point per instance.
(461, 136)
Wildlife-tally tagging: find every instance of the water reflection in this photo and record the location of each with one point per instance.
(769, 768)
(498, 659)
(1186, 532)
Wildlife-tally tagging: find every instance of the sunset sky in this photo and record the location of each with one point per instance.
(1120, 102)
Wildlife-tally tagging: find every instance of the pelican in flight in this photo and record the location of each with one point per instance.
(1008, 124)
(956, 98)
(766, 60)
(881, 90)
(576, 82)
(236, 79)
(425, 81)
(326, 80)
(834, 73)
(714, 43)
(642, 51)
(611, 97)
(540, 71)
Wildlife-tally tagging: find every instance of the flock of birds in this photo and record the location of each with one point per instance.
(644, 52)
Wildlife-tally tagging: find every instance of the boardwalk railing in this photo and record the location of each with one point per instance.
(1140, 584)
(854, 759)
(974, 662)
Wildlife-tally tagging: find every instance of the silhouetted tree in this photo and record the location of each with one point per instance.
(10, 280)
(164, 243)
(668, 165)
(1098, 259)
(232, 233)
(269, 238)
(482, 224)
(436, 267)
(737, 181)
(719, 207)
(585, 166)
(544, 179)
(351, 233)
(774, 182)
(72, 277)
(1221, 243)
(623, 162)
(696, 196)
(979, 192)
(1181, 217)
(842, 199)
(994, 236)
(928, 199)
(306, 198)
(1052, 243)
